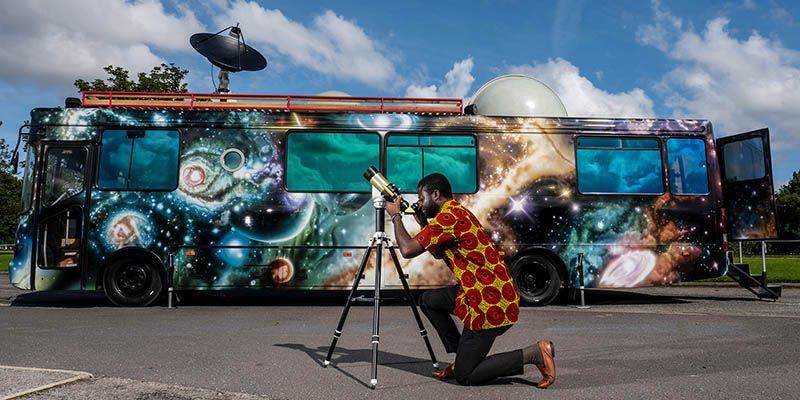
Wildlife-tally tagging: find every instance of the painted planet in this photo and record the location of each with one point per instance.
(129, 229)
(281, 271)
(628, 270)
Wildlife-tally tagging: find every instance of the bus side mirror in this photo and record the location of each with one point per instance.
(14, 162)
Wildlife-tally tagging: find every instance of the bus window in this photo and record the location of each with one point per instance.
(686, 159)
(619, 166)
(404, 167)
(411, 157)
(60, 240)
(27, 178)
(744, 160)
(139, 160)
(63, 175)
(330, 162)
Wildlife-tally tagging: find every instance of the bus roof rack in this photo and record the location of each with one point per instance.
(271, 102)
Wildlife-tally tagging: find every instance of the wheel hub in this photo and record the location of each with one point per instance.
(133, 279)
(534, 279)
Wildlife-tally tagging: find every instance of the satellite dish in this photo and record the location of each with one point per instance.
(228, 52)
(516, 95)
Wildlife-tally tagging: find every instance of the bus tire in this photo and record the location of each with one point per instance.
(537, 279)
(132, 282)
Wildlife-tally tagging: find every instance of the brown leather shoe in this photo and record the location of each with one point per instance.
(447, 373)
(548, 366)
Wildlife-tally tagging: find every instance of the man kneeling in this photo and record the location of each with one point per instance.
(485, 298)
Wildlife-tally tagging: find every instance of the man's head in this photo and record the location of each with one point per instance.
(433, 191)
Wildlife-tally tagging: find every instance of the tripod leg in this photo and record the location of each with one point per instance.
(376, 315)
(422, 331)
(338, 332)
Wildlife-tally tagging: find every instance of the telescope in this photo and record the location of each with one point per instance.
(390, 192)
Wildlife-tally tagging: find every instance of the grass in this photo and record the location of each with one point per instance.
(780, 268)
(5, 258)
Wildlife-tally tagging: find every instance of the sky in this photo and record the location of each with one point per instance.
(735, 63)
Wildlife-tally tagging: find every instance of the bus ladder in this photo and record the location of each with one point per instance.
(756, 284)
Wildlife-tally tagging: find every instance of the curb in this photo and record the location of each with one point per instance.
(792, 285)
(79, 375)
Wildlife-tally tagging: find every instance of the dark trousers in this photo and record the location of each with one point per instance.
(473, 367)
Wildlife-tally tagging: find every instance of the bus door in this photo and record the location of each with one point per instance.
(747, 189)
(64, 193)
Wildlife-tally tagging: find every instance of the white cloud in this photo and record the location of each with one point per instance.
(330, 45)
(422, 91)
(662, 31)
(739, 85)
(457, 83)
(55, 42)
(581, 97)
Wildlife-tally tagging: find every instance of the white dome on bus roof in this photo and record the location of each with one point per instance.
(517, 95)
(334, 93)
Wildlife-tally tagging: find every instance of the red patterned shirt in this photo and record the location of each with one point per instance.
(486, 297)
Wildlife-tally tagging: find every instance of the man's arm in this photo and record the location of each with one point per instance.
(409, 247)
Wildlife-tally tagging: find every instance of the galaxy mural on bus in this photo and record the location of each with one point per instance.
(239, 227)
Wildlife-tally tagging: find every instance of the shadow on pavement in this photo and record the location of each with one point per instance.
(343, 356)
(639, 297)
(337, 298)
(61, 298)
(231, 297)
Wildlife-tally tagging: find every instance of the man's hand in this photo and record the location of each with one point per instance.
(393, 207)
(408, 246)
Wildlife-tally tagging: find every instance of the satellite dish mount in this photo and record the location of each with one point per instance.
(228, 52)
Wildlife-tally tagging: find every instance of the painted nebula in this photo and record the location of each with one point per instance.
(231, 223)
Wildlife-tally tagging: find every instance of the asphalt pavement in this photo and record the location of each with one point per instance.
(656, 343)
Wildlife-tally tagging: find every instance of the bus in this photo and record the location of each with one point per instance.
(125, 192)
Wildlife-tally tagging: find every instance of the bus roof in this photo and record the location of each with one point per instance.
(272, 102)
(322, 112)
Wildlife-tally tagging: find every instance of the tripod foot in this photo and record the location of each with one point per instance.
(325, 363)
(373, 383)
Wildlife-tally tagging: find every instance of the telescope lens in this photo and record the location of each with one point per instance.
(370, 172)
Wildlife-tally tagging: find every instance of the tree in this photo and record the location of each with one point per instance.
(162, 78)
(10, 194)
(788, 204)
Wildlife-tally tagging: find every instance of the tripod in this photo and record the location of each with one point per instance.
(379, 242)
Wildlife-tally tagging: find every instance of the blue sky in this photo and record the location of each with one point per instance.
(736, 63)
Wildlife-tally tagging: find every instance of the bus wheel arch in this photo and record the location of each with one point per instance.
(132, 277)
(539, 275)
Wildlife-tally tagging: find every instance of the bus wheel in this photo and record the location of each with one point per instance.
(132, 282)
(537, 279)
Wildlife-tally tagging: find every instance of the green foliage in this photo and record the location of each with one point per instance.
(788, 204)
(10, 193)
(162, 78)
(780, 269)
(5, 258)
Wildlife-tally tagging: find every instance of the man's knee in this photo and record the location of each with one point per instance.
(425, 300)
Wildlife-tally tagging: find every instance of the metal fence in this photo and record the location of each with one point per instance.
(789, 249)
(6, 246)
